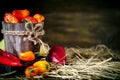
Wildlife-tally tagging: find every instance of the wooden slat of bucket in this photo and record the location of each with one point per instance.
(15, 43)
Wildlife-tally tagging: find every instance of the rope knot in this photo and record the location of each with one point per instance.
(34, 32)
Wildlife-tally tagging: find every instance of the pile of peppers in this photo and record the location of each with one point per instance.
(22, 16)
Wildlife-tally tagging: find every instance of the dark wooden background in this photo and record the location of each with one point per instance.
(74, 22)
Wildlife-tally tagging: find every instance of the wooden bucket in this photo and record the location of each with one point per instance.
(22, 37)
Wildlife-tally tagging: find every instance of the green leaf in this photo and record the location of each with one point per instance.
(2, 44)
(41, 51)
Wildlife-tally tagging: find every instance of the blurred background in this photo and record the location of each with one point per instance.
(73, 23)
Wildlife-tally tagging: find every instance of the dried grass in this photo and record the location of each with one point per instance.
(87, 63)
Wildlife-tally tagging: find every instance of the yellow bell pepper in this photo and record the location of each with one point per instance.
(42, 65)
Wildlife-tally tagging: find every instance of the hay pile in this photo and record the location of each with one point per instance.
(88, 63)
(97, 62)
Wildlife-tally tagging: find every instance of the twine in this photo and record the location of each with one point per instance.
(32, 33)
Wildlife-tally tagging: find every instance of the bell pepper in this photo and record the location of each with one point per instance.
(39, 17)
(9, 18)
(20, 14)
(42, 65)
(29, 19)
(31, 71)
(9, 55)
(9, 59)
(8, 62)
(27, 56)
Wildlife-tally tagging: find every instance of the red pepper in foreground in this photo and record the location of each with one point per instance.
(9, 55)
(8, 62)
(9, 59)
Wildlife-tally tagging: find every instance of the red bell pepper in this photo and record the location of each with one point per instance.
(6, 61)
(9, 55)
(9, 59)
(29, 19)
(20, 14)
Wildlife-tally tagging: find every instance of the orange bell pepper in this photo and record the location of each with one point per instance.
(9, 18)
(27, 56)
(31, 71)
(39, 17)
(20, 14)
